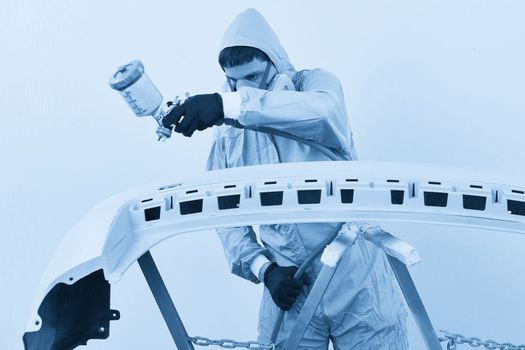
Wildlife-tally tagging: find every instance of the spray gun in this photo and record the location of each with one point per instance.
(141, 95)
(144, 99)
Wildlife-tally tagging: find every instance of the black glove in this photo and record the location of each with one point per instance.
(283, 288)
(199, 111)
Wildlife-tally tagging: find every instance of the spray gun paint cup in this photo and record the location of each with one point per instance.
(139, 92)
(136, 89)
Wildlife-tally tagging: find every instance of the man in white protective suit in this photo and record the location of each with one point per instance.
(362, 307)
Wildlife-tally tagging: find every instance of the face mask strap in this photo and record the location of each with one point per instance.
(263, 84)
(233, 86)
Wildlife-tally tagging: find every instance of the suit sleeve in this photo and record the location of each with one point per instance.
(315, 113)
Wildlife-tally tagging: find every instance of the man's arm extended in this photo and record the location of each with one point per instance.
(316, 113)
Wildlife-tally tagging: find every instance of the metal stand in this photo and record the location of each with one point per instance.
(163, 299)
(308, 310)
(399, 254)
(415, 304)
(183, 342)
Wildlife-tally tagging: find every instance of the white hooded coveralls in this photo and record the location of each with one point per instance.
(362, 307)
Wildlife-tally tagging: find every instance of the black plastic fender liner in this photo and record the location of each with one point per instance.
(73, 314)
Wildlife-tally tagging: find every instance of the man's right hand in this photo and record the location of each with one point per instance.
(199, 112)
(283, 288)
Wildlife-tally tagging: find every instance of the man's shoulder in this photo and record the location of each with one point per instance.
(307, 76)
(320, 72)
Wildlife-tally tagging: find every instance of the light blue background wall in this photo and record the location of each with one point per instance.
(432, 81)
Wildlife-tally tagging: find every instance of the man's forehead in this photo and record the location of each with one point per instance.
(241, 71)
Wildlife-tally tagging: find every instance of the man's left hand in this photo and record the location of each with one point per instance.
(199, 112)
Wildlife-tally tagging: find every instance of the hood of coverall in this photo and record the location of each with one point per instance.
(250, 28)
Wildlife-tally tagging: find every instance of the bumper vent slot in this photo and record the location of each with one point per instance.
(347, 196)
(152, 214)
(190, 207)
(397, 196)
(474, 202)
(309, 196)
(516, 207)
(229, 202)
(435, 199)
(271, 198)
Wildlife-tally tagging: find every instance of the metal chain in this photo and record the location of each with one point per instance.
(453, 339)
(231, 344)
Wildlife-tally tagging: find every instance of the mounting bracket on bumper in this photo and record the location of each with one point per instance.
(73, 314)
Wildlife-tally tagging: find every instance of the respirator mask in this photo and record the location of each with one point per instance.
(278, 82)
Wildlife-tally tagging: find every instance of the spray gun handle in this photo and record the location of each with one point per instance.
(162, 132)
(165, 109)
